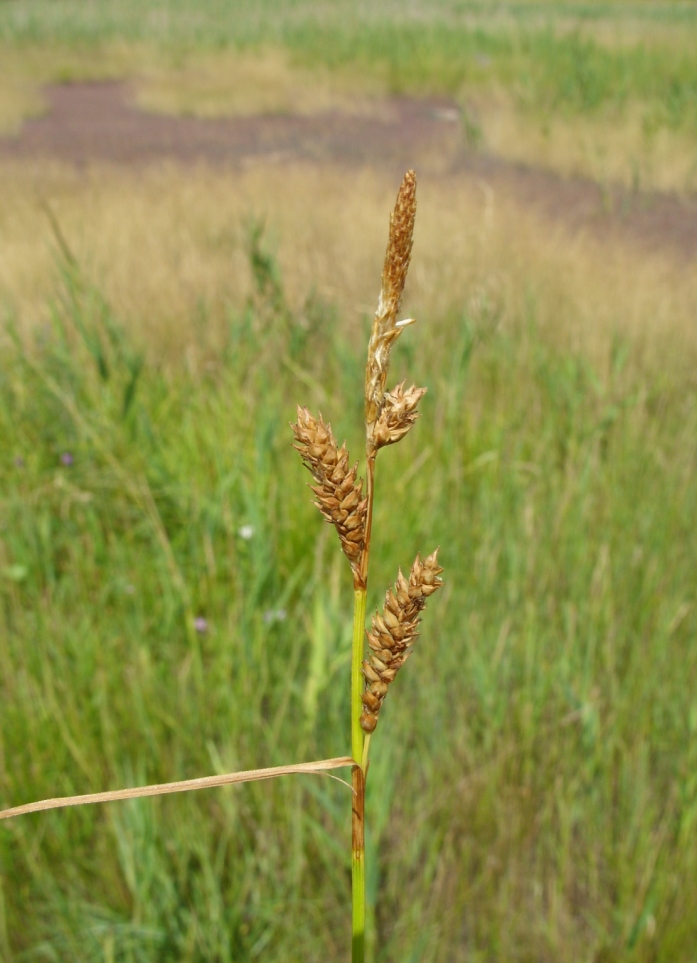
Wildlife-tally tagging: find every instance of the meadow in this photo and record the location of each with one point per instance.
(604, 90)
(171, 603)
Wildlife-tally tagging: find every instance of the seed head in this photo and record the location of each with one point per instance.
(386, 328)
(339, 493)
(394, 632)
(397, 415)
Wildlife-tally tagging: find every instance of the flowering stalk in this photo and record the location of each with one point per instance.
(389, 415)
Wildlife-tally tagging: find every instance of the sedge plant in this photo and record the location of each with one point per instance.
(389, 415)
(346, 504)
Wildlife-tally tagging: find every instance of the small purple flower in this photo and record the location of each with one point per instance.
(67, 459)
(201, 624)
(19, 462)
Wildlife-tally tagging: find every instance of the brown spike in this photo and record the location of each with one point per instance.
(339, 495)
(395, 631)
(386, 328)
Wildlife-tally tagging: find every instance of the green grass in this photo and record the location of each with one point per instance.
(532, 792)
(546, 52)
(607, 91)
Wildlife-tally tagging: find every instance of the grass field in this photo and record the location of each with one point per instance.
(608, 91)
(532, 792)
(543, 780)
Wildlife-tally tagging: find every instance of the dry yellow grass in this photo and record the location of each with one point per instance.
(609, 147)
(26, 69)
(18, 102)
(230, 83)
(621, 33)
(165, 244)
(222, 83)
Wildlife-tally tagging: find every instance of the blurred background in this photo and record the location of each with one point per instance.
(195, 200)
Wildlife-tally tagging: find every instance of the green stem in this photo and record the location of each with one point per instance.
(357, 782)
(359, 771)
(358, 866)
(358, 778)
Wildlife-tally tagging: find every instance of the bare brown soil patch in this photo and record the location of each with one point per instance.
(97, 122)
